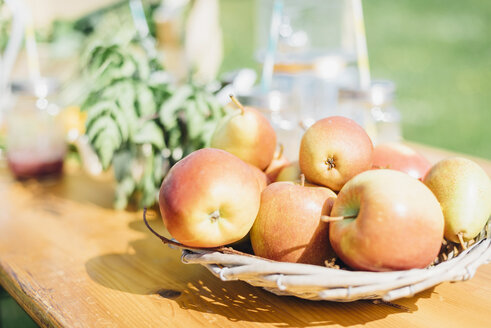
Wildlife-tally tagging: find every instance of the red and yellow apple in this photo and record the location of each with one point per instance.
(209, 198)
(261, 177)
(291, 172)
(248, 135)
(288, 226)
(391, 222)
(397, 156)
(277, 164)
(333, 150)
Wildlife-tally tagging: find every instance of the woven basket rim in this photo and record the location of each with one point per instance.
(348, 285)
(228, 259)
(316, 282)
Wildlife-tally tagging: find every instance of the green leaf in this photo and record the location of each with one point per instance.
(126, 70)
(149, 194)
(202, 105)
(104, 64)
(158, 169)
(105, 148)
(100, 112)
(97, 110)
(148, 186)
(94, 57)
(107, 142)
(142, 65)
(122, 164)
(146, 102)
(208, 129)
(194, 119)
(91, 100)
(150, 133)
(124, 190)
(99, 125)
(216, 110)
(170, 107)
(174, 137)
(161, 91)
(117, 65)
(122, 122)
(126, 102)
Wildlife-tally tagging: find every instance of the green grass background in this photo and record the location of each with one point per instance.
(438, 52)
(11, 314)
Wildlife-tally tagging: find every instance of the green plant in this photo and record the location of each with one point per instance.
(5, 21)
(139, 122)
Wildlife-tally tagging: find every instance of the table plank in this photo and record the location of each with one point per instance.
(72, 261)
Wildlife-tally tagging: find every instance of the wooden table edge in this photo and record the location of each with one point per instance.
(36, 310)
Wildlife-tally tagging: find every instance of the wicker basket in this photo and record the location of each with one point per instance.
(324, 283)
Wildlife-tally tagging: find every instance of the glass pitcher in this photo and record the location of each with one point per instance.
(312, 46)
(35, 139)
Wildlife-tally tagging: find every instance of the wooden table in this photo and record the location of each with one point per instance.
(71, 261)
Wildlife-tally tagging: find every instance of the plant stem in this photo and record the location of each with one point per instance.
(280, 151)
(238, 104)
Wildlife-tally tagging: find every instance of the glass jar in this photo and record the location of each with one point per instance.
(385, 115)
(35, 140)
(374, 110)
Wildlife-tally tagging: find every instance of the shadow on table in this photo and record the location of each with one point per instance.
(238, 303)
(151, 268)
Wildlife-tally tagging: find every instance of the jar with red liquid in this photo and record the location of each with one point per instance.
(35, 140)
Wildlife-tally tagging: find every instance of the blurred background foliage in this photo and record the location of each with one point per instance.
(438, 52)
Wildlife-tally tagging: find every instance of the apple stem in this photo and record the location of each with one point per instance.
(303, 125)
(238, 104)
(327, 218)
(280, 151)
(461, 240)
(302, 180)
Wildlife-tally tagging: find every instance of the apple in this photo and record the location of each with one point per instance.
(291, 172)
(464, 192)
(209, 198)
(277, 164)
(397, 156)
(261, 177)
(333, 150)
(389, 221)
(288, 227)
(248, 135)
